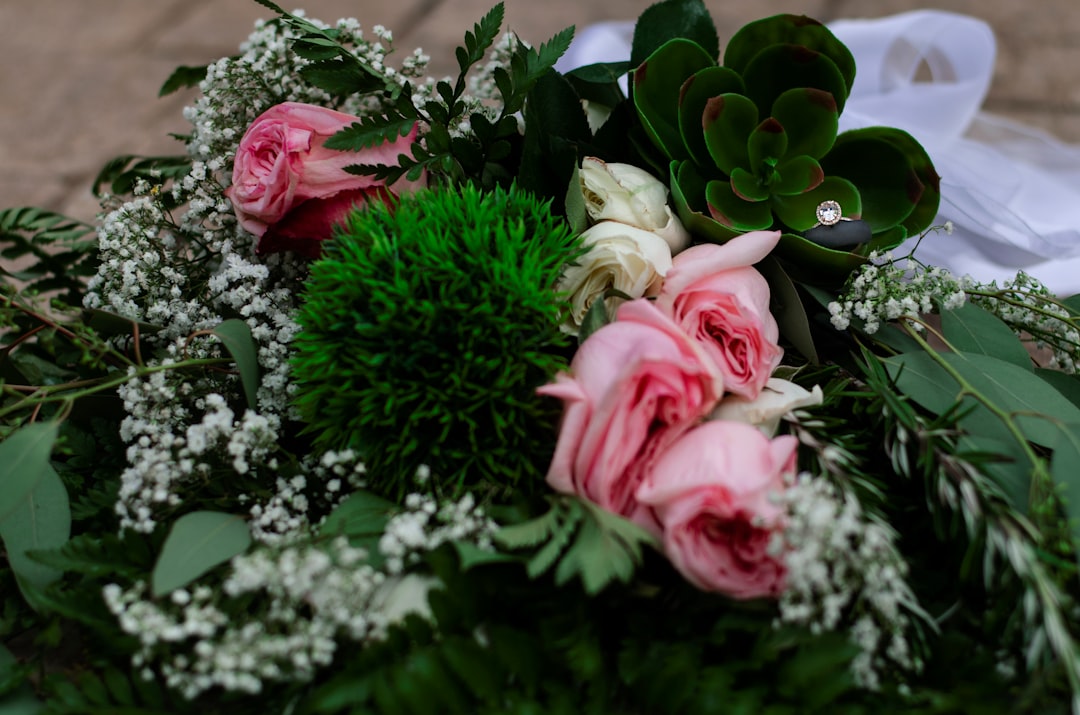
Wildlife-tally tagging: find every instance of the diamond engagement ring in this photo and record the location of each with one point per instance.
(829, 213)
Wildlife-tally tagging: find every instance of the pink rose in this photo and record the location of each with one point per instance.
(718, 298)
(711, 492)
(290, 190)
(638, 383)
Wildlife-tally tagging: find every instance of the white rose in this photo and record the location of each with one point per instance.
(778, 398)
(627, 194)
(628, 259)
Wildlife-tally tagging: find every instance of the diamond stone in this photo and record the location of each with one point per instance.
(829, 213)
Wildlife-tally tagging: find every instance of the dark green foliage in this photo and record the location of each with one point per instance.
(53, 252)
(426, 331)
(120, 174)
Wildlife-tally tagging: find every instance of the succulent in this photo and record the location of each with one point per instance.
(752, 144)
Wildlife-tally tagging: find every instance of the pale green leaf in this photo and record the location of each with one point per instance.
(972, 329)
(360, 514)
(236, 335)
(470, 555)
(25, 456)
(197, 543)
(41, 521)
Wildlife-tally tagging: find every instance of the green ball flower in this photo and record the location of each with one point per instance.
(426, 330)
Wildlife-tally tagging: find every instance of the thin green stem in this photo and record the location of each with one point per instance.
(84, 388)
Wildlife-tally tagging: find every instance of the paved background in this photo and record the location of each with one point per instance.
(79, 78)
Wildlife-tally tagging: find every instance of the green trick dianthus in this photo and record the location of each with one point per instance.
(426, 329)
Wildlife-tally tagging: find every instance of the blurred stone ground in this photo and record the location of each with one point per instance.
(79, 78)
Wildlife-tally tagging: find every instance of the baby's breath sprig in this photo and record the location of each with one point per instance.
(887, 289)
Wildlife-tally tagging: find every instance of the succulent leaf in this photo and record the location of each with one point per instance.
(657, 86)
(807, 262)
(798, 174)
(799, 212)
(811, 119)
(688, 193)
(694, 94)
(747, 186)
(925, 210)
(889, 187)
(766, 145)
(730, 210)
(789, 30)
(728, 121)
(779, 68)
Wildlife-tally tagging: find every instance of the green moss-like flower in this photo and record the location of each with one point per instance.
(426, 330)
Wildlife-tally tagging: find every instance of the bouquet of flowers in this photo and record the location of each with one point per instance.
(527, 391)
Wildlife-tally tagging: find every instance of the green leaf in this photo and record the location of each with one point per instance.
(606, 548)
(236, 335)
(787, 307)
(595, 318)
(576, 213)
(797, 30)
(918, 161)
(779, 68)
(1003, 461)
(21, 701)
(811, 119)
(1065, 470)
(1035, 406)
(341, 77)
(197, 542)
(42, 521)
(799, 212)
(889, 188)
(183, 77)
(664, 21)
(730, 209)
(694, 95)
(1067, 384)
(599, 82)
(727, 122)
(25, 456)
(470, 555)
(360, 514)
(657, 84)
(972, 329)
(798, 175)
(373, 130)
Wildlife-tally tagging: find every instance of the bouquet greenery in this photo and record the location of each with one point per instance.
(530, 391)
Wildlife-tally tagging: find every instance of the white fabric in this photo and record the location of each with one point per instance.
(1012, 192)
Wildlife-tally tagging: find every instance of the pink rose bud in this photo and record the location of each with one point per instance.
(289, 190)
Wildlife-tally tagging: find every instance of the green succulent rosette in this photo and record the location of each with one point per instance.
(753, 144)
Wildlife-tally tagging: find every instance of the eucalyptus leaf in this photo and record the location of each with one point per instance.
(197, 542)
(1005, 462)
(42, 521)
(25, 456)
(360, 514)
(787, 307)
(972, 329)
(1067, 384)
(236, 335)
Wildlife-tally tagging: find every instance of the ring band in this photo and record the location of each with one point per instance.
(829, 213)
